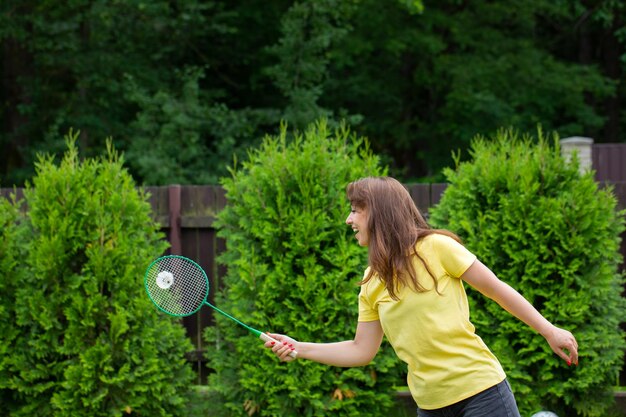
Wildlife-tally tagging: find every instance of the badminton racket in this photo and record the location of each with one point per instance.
(179, 287)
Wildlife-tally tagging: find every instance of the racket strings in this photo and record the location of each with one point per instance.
(177, 285)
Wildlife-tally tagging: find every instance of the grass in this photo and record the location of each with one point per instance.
(203, 404)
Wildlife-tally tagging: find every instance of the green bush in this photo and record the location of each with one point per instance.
(293, 266)
(84, 339)
(554, 235)
(11, 254)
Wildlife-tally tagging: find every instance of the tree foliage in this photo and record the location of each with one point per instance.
(433, 82)
(293, 267)
(12, 251)
(309, 30)
(83, 338)
(552, 234)
(170, 134)
(418, 79)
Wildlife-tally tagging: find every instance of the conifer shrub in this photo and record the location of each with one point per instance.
(293, 267)
(554, 235)
(11, 254)
(85, 339)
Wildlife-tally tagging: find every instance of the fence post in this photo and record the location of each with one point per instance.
(580, 145)
(174, 219)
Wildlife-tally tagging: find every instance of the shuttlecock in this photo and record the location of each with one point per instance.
(165, 279)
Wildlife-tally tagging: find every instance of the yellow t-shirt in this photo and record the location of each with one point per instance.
(447, 361)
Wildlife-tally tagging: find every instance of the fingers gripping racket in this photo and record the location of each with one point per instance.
(179, 287)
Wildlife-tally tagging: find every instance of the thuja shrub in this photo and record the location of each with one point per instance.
(293, 267)
(86, 339)
(554, 235)
(11, 254)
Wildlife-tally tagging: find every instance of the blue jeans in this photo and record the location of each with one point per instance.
(497, 401)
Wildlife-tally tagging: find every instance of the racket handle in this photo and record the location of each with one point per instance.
(264, 337)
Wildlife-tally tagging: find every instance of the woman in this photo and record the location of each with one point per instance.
(412, 292)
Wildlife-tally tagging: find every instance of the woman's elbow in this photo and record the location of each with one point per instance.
(365, 358)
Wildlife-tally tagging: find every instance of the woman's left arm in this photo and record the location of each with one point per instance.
(484, 280)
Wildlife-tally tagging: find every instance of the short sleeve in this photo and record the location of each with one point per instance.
(367, 309)
(454, 257)
(368, 304)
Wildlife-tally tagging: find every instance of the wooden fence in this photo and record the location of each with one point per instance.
(186, 214)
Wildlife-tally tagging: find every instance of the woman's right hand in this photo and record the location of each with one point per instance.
(283, 346)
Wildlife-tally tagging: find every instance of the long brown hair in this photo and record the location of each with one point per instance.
(395, 226)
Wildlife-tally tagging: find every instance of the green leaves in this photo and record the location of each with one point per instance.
(554, 236)
(293, 267)
(83, 339)
(309, 31)
(418, 79)
(182, 136)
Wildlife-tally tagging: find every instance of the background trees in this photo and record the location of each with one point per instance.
(182, 86)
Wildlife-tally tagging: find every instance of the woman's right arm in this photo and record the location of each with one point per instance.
(349, 353)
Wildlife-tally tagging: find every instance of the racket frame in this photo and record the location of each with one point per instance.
(263, 336)
(184, 259)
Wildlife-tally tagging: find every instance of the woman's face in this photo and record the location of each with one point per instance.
(357, 219)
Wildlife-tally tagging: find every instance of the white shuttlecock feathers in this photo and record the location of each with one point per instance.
(165, 279)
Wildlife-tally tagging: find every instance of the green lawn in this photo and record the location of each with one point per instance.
(203, 405)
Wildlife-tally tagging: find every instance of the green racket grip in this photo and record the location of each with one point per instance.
(266, 338)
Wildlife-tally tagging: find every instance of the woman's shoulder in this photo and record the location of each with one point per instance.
(439, 238)
(454, 257)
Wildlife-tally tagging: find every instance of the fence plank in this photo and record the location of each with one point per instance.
(437, 190)
(158, 201)
(420, 193)
(609, 161)
(174, 192)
